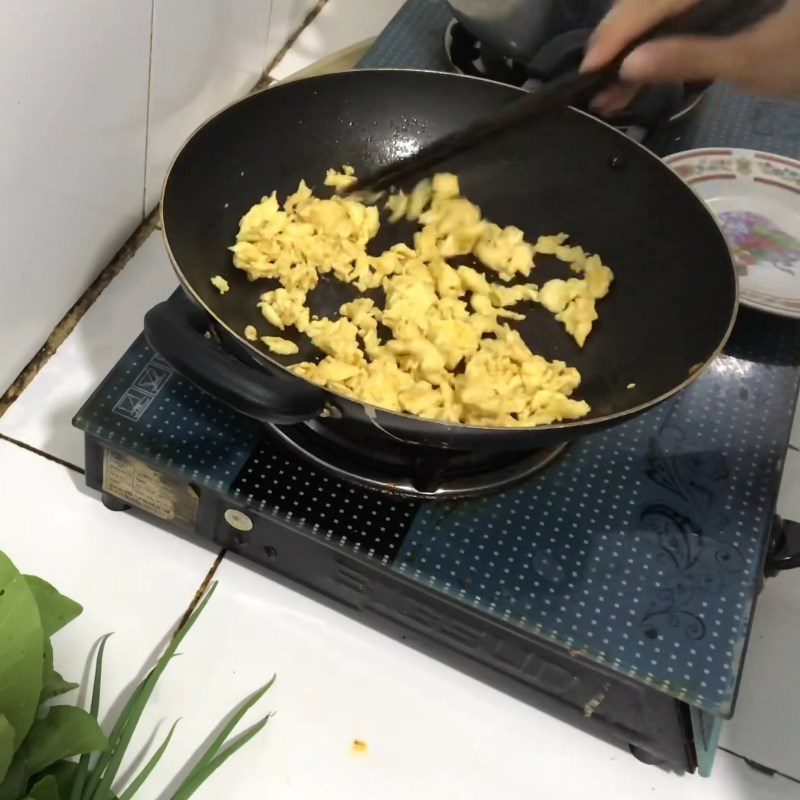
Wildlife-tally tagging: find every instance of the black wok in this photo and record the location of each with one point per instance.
(670, 311)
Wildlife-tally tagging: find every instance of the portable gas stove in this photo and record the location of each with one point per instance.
(612, 583)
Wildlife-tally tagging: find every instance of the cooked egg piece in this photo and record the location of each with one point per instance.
(220, 284)
(279, 346)
(282, 307)
(340, 180)
(573, 301)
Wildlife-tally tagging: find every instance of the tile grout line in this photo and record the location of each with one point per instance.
(203, 588)
(293, 37)
(43, 454)
(262, 83)
(263, 64)
(147, 112)
(67, 324)
(209, 576)
(753, 764)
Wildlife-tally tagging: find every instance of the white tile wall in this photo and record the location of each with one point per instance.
(340, 24)
(84, 154)
(73, 90)
(206, 53)
(80, 164)
(285, 19)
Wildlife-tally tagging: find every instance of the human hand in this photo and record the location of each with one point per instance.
(763, 59)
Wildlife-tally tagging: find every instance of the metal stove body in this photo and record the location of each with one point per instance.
(615, 588)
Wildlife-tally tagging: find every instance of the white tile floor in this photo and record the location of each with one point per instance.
(430, 730)
(338, 680)
(766, 725)
(131, 578)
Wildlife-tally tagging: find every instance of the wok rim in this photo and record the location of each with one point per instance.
(696, 371)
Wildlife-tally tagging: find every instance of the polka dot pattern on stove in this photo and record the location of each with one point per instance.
(276, 482)
(641, 548)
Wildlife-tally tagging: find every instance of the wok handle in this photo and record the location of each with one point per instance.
(176, 330)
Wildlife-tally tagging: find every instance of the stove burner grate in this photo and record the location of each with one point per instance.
(376, 461)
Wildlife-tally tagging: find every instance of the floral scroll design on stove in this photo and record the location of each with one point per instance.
(687, 505)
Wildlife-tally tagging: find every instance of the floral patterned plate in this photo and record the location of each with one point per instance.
(756, 200)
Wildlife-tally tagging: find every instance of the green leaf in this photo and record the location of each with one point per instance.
(198, 776)
(23, 650)
(13, 785)
(137, 782)
(6, 746)
(45, 788)
(65, 732)
(55, 610)
(107, 766)
(64, 773)
(52, 683)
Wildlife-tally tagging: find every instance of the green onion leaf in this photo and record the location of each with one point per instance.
(198, 776)
(83, 764)
(105, 771)
(226, 731)
(137, 782)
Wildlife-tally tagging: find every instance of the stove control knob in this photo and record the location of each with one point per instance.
(238, 520)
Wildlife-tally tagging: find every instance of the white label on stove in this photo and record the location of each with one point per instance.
(136, 483)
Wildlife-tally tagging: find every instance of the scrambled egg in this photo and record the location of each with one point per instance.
(451, 354)
(220, 284)
(282, 347)
(341, 180)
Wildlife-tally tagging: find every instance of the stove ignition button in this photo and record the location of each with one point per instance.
(238, 520)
